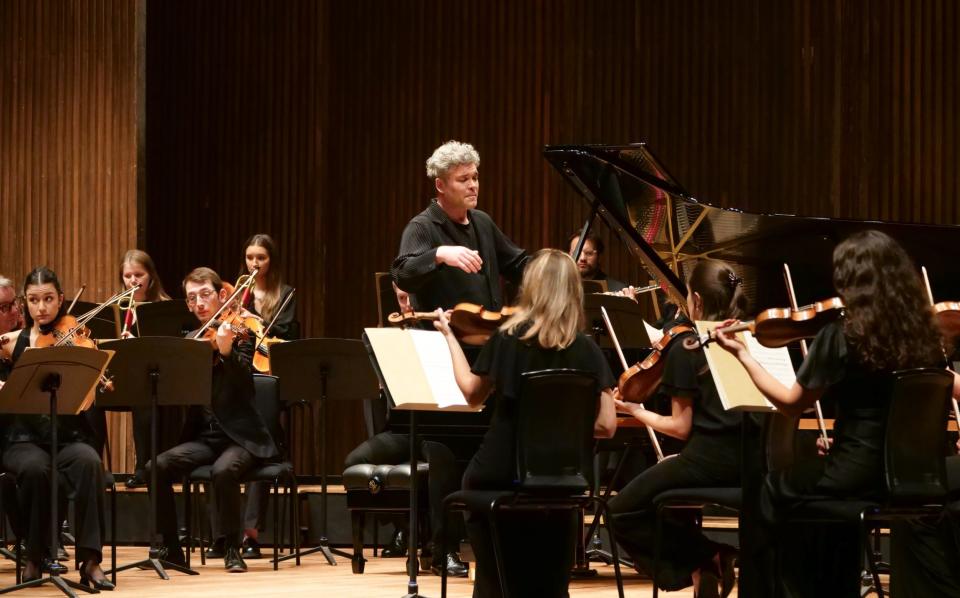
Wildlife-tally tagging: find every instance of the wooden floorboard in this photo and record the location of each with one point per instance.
(383, 578)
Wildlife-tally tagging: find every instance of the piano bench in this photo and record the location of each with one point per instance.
(383, 489)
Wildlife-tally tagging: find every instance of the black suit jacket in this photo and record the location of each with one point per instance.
(232, 403)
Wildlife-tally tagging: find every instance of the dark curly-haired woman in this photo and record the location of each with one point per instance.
(887, 326)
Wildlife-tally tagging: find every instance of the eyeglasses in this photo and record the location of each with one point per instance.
(8, 307)
(588, 253)
(204, 296)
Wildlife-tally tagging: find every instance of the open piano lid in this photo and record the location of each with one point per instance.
(668, 230)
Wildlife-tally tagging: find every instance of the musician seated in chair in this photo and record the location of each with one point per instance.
(230, 435)
(27, 449)
(545, 333)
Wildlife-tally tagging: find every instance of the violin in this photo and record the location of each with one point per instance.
(637, 383)
(261, 352)
(947, 315)
(471, 323)
(779, 326)
(67, 331)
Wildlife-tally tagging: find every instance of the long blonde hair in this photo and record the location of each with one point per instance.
(551, 301)
(155, 291)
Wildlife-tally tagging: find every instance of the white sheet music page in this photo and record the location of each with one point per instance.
(776, 361)
(655, 334)
(437, 364)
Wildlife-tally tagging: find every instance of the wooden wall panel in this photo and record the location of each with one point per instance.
(68, 145)
(312, 121)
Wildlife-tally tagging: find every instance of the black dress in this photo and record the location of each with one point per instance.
(537, 548)
(27, 455)
(710, 458)
(823, 560)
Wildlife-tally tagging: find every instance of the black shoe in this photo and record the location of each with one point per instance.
(455, 567)
(251, 549)
(137, 480)
(216, 551)
(172, 554)
(397, 547)
(103, 584)
(233, 562)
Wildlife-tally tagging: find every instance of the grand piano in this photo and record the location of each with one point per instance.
(668, 230)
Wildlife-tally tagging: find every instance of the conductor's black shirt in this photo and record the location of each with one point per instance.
(432, 285)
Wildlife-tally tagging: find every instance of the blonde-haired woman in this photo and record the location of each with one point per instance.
(269, 293)
(545, 333)
(137, 267)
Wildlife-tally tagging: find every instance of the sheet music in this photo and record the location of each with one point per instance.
(654, 333)
(438, 366)
(736, 390)
(777, 362)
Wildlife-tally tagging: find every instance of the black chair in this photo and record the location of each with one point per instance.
(914, 463)
(268, 405)
(553, 474)
(780, 435)
(381, 489)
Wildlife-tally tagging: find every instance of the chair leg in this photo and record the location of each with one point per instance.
(357, 519)
(113, 535)
(657, 533)
(295, 518)
(188, 518)
(443, 551)
(497, 552)
(865, 550)
(614, 549)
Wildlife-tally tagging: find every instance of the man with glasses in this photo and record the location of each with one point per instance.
(230, 435)
(11, 317)
(589, 261)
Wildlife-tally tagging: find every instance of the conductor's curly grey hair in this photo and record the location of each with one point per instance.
(6, 282)
(448, 155)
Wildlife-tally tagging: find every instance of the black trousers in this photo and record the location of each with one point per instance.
(81, 476)
(444, 479)
(706, 461)
(230, 462)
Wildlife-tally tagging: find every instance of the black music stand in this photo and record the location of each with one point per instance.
(158, 371)
(339, 369)
(626, 316)
(413, 587)
(49, 381)
(106, 324)
(164, 318)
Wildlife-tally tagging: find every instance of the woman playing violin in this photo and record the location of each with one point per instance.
(887, 326)
(269, 293)
(137, 268)
(27, 445)
(545, 333)
(710, 457)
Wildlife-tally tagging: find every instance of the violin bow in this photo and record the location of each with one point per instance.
(788, 280)
(276, 315)
(623, 362)
(926, 282)
(76, 298)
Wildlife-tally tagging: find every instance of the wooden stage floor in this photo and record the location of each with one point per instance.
(383, 578)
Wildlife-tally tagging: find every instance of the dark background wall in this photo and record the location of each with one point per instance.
(312, 120)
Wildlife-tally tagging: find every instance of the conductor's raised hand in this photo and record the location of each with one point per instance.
(461, 257)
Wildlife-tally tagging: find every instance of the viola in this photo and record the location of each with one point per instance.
(471, 323)
(637, 383)
(780, 326)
